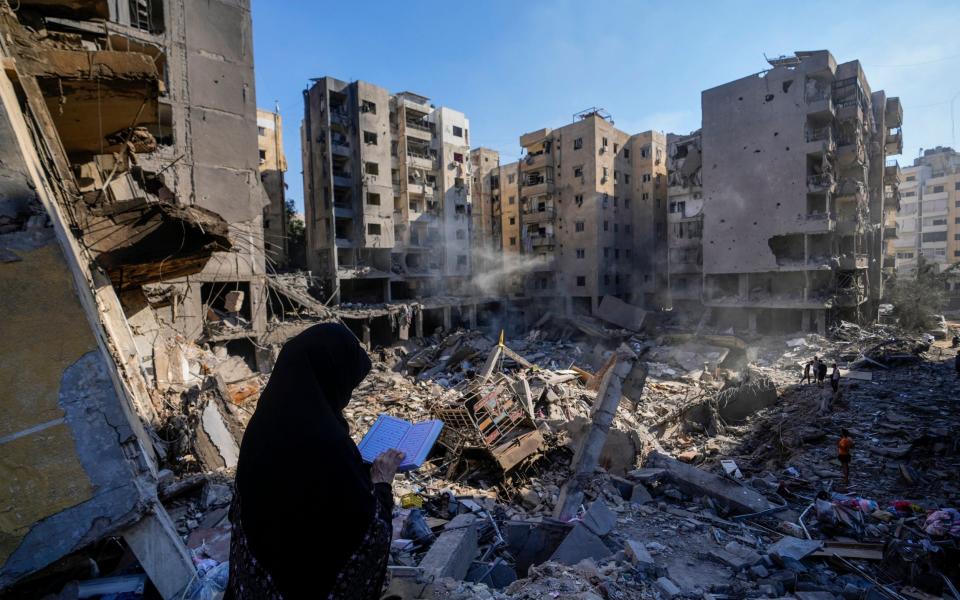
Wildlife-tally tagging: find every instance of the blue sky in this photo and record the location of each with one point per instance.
(514, 67)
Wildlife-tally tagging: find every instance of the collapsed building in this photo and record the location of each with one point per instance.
(132, 216)
(794, 187)
(685, 221)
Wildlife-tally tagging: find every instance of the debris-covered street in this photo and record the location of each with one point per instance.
(720, 363)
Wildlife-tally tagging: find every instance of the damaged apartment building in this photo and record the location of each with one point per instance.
(387, 193)
(685, 221)
(131, 218)
(794, 183)
(590, 214)
(273, 169)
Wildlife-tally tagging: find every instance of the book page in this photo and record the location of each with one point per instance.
(417, 443)
(385, 434)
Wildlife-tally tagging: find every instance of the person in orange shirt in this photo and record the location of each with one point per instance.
(843, 453)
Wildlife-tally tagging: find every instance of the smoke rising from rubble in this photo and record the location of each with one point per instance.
(492, 270)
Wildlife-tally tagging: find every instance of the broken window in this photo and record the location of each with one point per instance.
(458, 132)
(578, 171)
(261, 131)
(578, 199)
(936, 189)
(581, 253)
(371, 168)
(367, 106)
(512, 200)
(626, 177)
(513, 241)
(373, 199)
(369, 137)
(577, 143)
(581, 281)
(579, 226)
(616, 148)
(626, 152)
(457, 157)
(645, 196)
(373, 228)
(510, 178)
(513, 220)
(263, 156)
(626, 202)
(646, 177)
(606, 225)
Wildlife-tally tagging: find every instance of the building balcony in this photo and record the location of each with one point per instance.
(421, 161)
(542, 264)
(853, 262)
(543, 186)
(536, 216)
(534, 161)
(820, 140)
(538, 241)
(893, 112)
(814, 223)
(343, 211)
(340, 148)
(342, 242)
(417, 131)
(420, 189)
(342, 179)
(820, 105)
(892, 175)
(683, 242)
(819, 183)
(849, 110)
(894, 143)
(341, 118)
(851, 152)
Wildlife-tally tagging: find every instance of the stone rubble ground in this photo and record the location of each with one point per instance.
(643, 533)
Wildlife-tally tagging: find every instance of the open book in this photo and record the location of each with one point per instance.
(413, 439)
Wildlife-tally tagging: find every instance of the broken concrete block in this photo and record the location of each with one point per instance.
(736, 556)
(599, 518)
(698, 482)
(640, 494)
(638, 555)
(452, 554)
(233, 301)
(461, 521)
(579, 544)
(759, 572)
(792, 547)
(646, 475)
(668, 588)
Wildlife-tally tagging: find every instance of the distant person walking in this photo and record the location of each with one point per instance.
(821, 372)
(844, 446)
(835, 380)
(806, 372)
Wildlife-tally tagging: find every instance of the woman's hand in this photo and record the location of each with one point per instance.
(384, 467)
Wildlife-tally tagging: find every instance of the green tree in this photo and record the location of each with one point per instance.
(296, 238)
(916, 300)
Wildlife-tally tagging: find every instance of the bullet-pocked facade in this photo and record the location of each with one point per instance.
(685, 221)
(794, 161)
(387, 196)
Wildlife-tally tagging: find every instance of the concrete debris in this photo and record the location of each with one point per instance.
(620, 454)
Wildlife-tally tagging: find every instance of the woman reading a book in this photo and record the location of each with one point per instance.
(310, 519)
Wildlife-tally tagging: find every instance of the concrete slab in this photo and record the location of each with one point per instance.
(599, 518)
(452, 554)
(579, 544)
(696, 482)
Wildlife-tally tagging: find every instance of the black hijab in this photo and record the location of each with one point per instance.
(305, 494)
